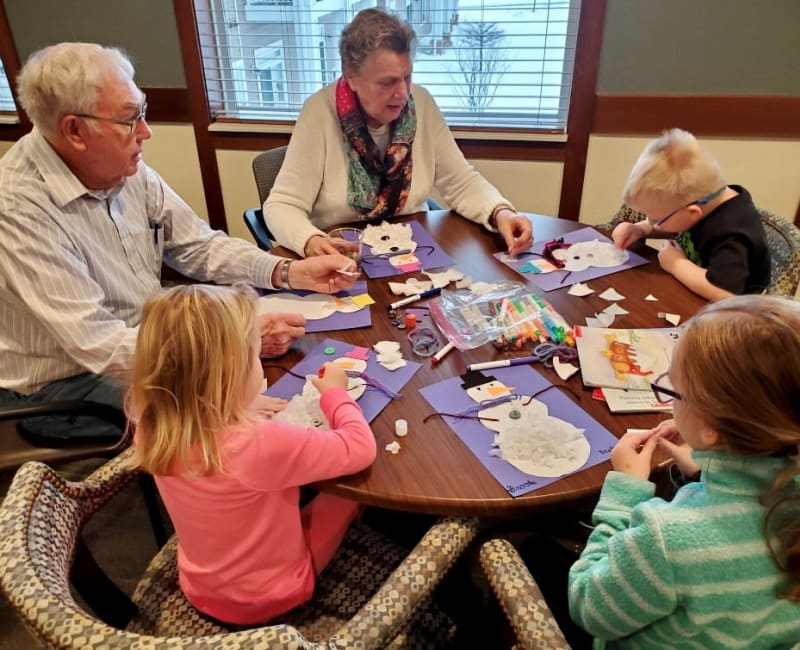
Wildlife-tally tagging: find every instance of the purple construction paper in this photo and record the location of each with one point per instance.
(372, 402)
(337, 320)
(448, 397)
(559, 279)
(430, 258)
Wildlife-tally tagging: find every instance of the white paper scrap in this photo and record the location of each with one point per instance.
(443, 278)
(563, 369)
(615, 309)
(393, 447)
(580, 289)
(605, 318)
(651, 298)
(593, 322)
(611, 294)
(673, 319)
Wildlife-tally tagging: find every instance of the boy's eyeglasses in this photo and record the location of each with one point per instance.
(663, 391)
(701, 201)
(131, 123)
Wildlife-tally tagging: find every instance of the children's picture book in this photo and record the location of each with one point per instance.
(624, 358)
(524, 442)
(622, 400)
(578, 256)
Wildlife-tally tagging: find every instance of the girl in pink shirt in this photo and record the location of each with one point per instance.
(229, 478)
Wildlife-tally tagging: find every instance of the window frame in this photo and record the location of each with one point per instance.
(504, 127)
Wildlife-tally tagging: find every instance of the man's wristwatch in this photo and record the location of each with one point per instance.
(284, 276)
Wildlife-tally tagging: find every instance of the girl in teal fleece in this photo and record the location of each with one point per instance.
(719, 565)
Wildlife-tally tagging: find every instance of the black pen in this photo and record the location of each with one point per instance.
(156, 227)
(410, 299)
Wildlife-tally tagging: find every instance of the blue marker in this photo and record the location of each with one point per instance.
(410, 299)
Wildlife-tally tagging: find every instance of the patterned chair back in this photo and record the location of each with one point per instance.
(374, 594)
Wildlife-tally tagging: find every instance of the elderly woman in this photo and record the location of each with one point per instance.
(372, 146)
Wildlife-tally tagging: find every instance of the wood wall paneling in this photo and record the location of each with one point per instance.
(704, 115)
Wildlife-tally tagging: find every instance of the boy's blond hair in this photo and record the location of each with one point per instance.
(192, 359)
(675, 169)
(738, 365)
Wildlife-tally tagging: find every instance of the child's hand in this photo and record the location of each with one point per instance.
(626, 234)
(670, 255)
(681, 454)
(633, 453)
(267, 406)
(331, 375)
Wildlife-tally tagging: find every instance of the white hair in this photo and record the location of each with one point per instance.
(66, 78)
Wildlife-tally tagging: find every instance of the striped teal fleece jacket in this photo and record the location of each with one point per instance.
(691, 573)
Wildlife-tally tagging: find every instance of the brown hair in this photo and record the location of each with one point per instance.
(192, 359)
(738, 361)
(371, 30)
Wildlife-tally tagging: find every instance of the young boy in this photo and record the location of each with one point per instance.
(721, 248)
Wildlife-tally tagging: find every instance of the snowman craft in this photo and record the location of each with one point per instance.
(526, 435)
(392, 240)
(303, 410)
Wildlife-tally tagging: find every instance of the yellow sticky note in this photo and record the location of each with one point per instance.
(363, 300)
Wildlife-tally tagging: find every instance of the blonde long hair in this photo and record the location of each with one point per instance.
(738, 361)
(192, 359)
(673, 168)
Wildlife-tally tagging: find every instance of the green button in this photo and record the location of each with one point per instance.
(514, 415)
(330, 350)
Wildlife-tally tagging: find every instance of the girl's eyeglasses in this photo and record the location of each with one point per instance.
(663, 391)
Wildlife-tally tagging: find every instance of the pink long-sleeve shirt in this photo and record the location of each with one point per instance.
(242, 552)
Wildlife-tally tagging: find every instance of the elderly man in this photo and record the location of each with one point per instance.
(85, 226)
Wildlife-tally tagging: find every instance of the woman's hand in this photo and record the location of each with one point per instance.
(319, 245)
(515, 229)
(331, 375)
(320, 273)
(634, 453)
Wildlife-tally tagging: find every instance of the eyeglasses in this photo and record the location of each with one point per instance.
(663, 391)
(702, 201)
(131, 123)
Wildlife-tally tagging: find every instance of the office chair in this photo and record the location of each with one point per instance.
(266, 166)
(374, 594)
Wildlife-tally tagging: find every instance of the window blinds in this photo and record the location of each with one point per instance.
(488, 63)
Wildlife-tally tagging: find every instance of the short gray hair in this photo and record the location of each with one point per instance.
(371, 30)
(65, 78)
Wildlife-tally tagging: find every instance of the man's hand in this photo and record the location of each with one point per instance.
(279, 331)
(515, 229)
(320, 273)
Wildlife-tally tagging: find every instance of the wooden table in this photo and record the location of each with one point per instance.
(435, 472)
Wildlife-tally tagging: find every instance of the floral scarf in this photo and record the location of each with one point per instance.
(375, 188)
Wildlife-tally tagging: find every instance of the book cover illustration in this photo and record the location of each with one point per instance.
(624, 358)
